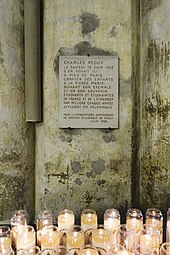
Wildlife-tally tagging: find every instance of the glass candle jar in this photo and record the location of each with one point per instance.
(30, 251)
(73, 251)
(112, 219)
(22, 213)
(154, 217)
(5, 238)
(25, 237)
(49, 251)
(88, 250)
(168, 218)
(44, 218)
(75, 237)
(168, 226)
(88, 236)
(150, 237)
(117, 249)
(134, 219)
(101, 237)
(112, 223)
(66, 219)
(142, 250)
(61, 250)
(16, 222)
(88, 219)
(126, 237)
(9, 251)
(50, 237)
(165, 248)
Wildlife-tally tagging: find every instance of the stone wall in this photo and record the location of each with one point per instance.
(155, 104)
(16, 136)
(79, 168)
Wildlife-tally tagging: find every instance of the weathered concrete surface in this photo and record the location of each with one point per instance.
(84, 168)
(155, 104)
(16, 137)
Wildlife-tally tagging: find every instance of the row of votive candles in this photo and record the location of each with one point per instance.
(73, 237)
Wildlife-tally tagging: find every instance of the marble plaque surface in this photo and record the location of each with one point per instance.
(88, 91)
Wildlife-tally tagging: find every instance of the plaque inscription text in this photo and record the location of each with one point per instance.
(88, 91)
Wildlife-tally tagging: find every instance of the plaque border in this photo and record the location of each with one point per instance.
(115, 57)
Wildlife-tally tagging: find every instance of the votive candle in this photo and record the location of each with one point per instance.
(25, 237)
(50, 237)
(88, 219)
(101, 237)
(5, 239)
(75, 237)
(66, 219)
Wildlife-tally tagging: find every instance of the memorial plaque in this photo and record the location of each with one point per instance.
(88, 91)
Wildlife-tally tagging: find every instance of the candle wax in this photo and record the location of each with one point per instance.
(49, 239)
(88, 251)
(156, 224)
(101, 238)
(88, 221)
(25, 240)
(112, 224)
(65, 220)
(75, 240)
(134, 224)
(150, 241)
(5, 243)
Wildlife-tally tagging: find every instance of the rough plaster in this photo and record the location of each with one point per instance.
(84, 168)
(99, 162)
(155, 94)
(16, 137)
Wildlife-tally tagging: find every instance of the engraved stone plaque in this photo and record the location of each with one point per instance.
(88, 91)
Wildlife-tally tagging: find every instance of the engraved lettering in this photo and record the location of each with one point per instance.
(88, 91)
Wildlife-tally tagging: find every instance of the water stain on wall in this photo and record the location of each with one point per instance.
(157, 64)
(11, 194)
(113, 32)
(153, 192)
(85, 48)
(95, 181)
(81, 49)
(98, 166)
(156, 140)
(1, 55)
(90, 174)
(66, 139)
(101, 183)
(9, 156)
(149, 5)
(158, 109)
(89, 21)
(51, 173)
(157, 61)
(62, 177)
(108, 138)
(88, 198)
(78, 181)
(75, 166)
